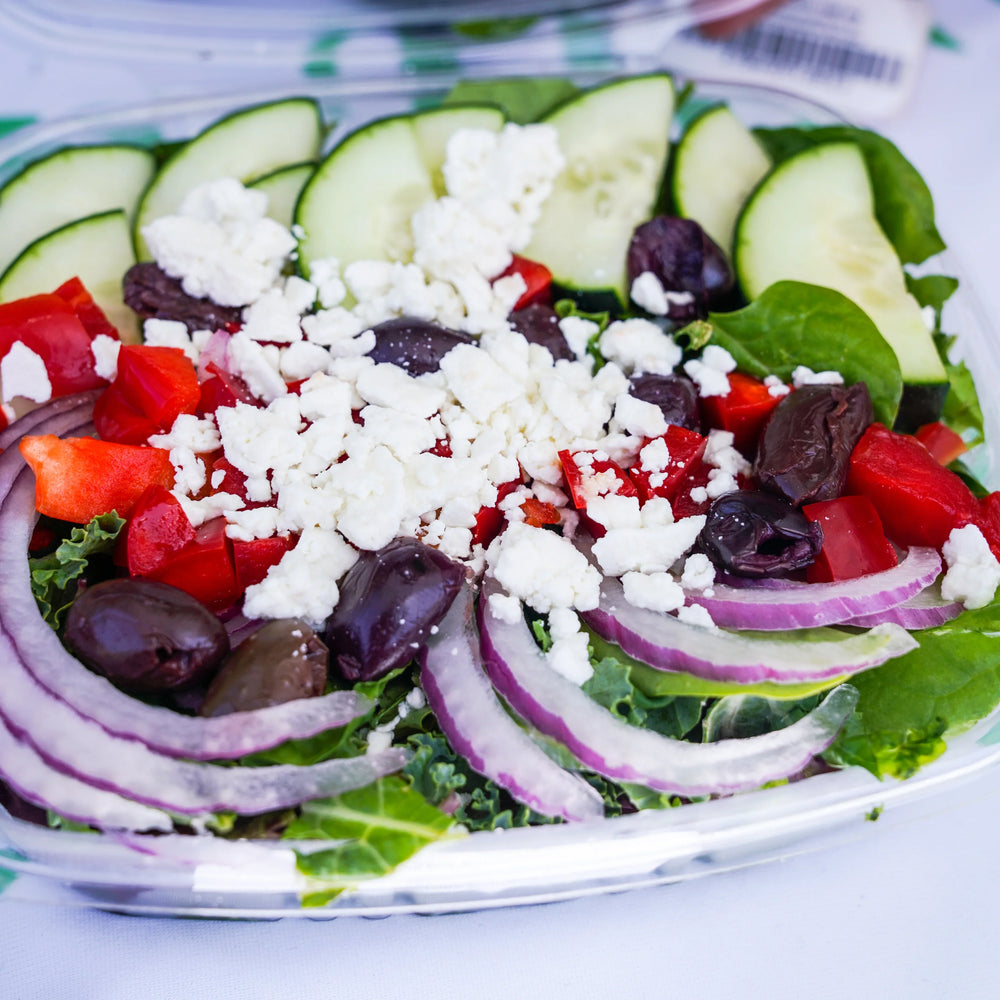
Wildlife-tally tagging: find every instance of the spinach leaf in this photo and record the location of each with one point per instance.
(961, 412)
(523, 99)
(381, 825)
(932, 290)
(793, 323)
(903, 203)
(54, 577)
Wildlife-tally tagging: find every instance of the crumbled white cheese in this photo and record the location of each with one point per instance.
(657, 591)
(578, 333)
(568, 654)
(638, 345)
(169, 333)
(806, 376)
(695, 614)
(775, 387)
(105, 351)
(23, 373)
(698, 573)
(710, 372)
(646, 549)
(973, 571)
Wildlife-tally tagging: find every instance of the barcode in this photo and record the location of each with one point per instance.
(819, 58)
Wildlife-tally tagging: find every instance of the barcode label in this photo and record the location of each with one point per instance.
(818, 58)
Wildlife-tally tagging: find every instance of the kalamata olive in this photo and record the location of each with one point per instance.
(752, 533)
(389, 602)
(281, 661)
(417, 345)
(675, 395)
(685, 259)
(146, 637)
(152, 293)
(805, 447)
(539, 324)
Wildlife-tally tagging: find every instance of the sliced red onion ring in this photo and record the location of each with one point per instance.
(559, 708)
(806, 605)
(668, 643)
(928, 609)
(480, 729)
(34, 780)
(38, 647)
(61, 404)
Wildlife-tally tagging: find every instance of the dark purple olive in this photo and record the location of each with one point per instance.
(281, 661)
(751, 533)
(389, 602)
(805, 447)
(153, 294)
(675, 395)
(685, 259)
(417, 345)
(145, 637)
(539, 324)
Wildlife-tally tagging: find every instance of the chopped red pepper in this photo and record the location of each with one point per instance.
(989, 521)
(90, 314)
(115, 419)
(588, 478)
(489, 520)
(160, 382)
(917, 498)
(223, 388)
(538, 513)
(743, 411)
(157, 529)
(253, 558)
(941, 441)
(684, 448)
(854, 543)
(204, 568)
(537, 279)
(78, 478)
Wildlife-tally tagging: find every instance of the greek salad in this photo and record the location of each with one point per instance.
(542, 456)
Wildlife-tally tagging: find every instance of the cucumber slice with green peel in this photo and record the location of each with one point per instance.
(246, 145)
(70, 184)
(359, 202)
(96, 249)
(717, 163)
(283, 187)
(615, 139)
(812, 219)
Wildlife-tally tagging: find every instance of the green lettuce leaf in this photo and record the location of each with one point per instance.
(961, 412)
(792, 323)
(932, 290)
(54, 577)
(381, 826)
(903, 203)
(523, 99)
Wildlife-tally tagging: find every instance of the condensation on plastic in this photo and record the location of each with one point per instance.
(206, 876)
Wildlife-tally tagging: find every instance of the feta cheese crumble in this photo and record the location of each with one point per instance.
(973, 571)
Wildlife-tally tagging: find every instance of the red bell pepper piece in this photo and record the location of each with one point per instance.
(252, 559)
(538, 513)
(854, 543)
(157, 529)
(917, 498)
(204, 568)
(586, 481)
(47, 325)
(90, 314)
(685, 448)
(537, 279)
(78, 478)
(489, 520)
(160, 382)
(115, 419)
(941, 441)
(744, 410)
(989, 521)
(223, 388)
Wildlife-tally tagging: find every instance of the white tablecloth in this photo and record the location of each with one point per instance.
(908, 909)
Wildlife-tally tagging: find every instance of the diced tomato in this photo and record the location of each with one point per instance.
(743, 411)
(538, 513)
(941, 441)
(917, 498)
(537, 279)
(204, 568)
(684, 448)
(854, 542)
(47, 325)
(78, 478)
(252, 559)
(87, 310)
(489, 520)
(223, 388)
(588, 478)
(441, 448)
(157, 530)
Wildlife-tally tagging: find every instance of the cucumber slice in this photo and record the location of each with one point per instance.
(717, 163)
(812, 219)
(70, 184)
(96, 249)
(358, 204)
(246, 145)
(615, 139)
(283, 187)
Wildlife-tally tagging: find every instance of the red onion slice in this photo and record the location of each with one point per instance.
(225, 737)
(478, 728)
(806, 605)
(41, 785)
(560, 709)
(928, 609)
(668, 643)
(24, 425)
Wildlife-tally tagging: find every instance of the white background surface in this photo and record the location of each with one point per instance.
(909, 909)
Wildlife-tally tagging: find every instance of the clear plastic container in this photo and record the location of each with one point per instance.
(205, 876)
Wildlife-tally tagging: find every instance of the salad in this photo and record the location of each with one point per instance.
(518, 461)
